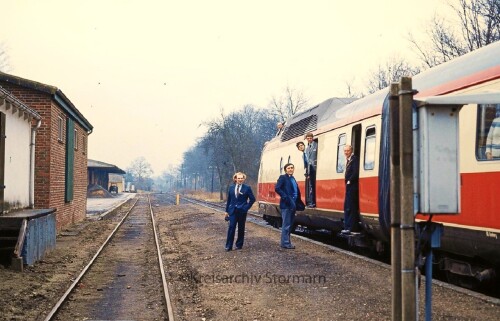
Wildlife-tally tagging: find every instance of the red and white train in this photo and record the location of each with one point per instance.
(470, 244)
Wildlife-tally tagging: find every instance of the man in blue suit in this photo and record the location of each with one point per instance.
(239, 200)
(351, 202)
(290, 202)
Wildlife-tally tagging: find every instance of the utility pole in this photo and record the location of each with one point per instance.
(408, 286)
(395, 202)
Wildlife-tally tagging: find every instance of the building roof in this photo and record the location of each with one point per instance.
(110, 168)
(56, 94)
(19, 104)
(115, 178)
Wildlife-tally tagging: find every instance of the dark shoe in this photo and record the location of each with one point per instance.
(311, 205)
(228, 249)
(291, 247)
(238, 248)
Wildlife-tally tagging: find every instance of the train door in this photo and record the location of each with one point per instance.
(356, 140)
(2, 160)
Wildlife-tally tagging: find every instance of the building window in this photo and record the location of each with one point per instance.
(60, 128)
(488, 132)
(340, 153)
(370, 148)
(76, 140)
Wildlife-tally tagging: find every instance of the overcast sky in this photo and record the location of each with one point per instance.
(146, 73)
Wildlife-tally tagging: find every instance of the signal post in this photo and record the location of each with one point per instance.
(404, 295)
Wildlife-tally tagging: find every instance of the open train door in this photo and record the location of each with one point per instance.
(2, 160)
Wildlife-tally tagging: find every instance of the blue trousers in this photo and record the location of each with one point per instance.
(237, 218)
(287, 216)
(351, 208)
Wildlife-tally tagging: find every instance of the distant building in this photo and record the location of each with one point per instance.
(18, 127)
(117, 180)
(60, 151)
(104, 174)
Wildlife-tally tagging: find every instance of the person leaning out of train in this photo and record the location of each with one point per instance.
(301, 147)
(280, 125)
(290, 202)
(240, 199)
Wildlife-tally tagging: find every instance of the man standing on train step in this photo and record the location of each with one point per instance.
(351, 202)
(311, 154)
(240, 199)
(290, 202)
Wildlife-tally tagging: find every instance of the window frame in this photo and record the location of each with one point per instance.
(60, 129)
(340, 166)
(370, 140)
(75, 139)
(483, 126)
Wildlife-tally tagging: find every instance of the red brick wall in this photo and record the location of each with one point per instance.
(50, 159)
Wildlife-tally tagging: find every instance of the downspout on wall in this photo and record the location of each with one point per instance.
(32, 164)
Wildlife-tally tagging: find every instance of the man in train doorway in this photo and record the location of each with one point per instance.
(351, 202)
(311, 154)
(290, 202)
(301, 147)
(240, 199)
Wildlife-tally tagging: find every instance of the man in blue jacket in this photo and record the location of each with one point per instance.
(239, 200)
(290, 202)
(351, 202)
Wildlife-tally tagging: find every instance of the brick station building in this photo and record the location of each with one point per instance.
(60, 149)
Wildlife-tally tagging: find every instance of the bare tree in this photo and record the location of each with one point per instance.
(141, 172)
(392, 71)
(477, 25)
(350, 91)
(4, 58)
(289, 103)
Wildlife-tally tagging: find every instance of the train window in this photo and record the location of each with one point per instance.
(488, 132)
(369, 148)
(340, 153)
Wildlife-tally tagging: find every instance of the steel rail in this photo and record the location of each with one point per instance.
(442, 284)
(85, 269)
(162, 270)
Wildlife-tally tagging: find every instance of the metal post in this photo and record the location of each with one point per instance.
(395, 202)
(212, 187)
(435, 242)
(408, 286)
(428, 286)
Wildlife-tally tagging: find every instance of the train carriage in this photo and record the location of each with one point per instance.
(472, 233)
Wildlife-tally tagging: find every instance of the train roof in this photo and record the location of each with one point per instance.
(470, 69)
(313, 118)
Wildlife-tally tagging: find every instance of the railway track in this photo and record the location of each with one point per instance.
(326, 239)
(125, 279)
